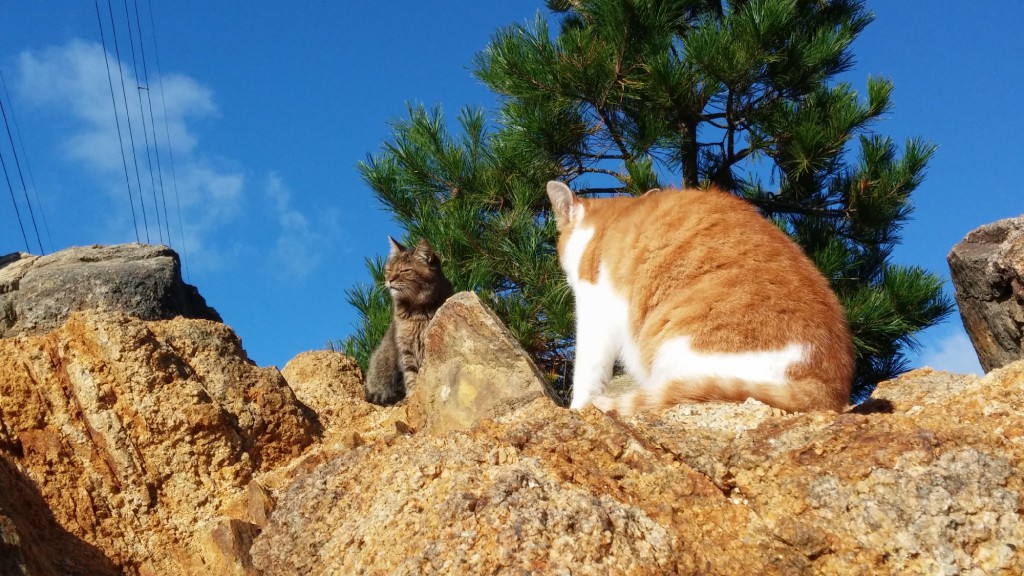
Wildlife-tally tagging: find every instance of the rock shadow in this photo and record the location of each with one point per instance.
(33, 541)
(873, 406)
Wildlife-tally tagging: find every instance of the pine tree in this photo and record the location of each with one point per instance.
(631, 95)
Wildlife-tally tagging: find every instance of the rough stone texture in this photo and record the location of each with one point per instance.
(38, 293)
(329, 383)
(472, 369)
(987, 268)
(156, 448)
(926, 478)
(120, 439)
(32, 542)
(545, 490)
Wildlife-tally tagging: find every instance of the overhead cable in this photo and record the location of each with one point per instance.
(14, 152)
(120, 139)
(170, 149)
(28, 165)
(142, 115)
(131, 136)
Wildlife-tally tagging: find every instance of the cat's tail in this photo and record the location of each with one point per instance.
(794, 396)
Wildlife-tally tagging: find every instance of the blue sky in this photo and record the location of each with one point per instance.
(270, 106)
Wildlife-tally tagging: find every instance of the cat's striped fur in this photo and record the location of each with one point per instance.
(418, 287)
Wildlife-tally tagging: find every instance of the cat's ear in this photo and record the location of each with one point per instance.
(425, 252)
(395, 247)
(563, 202)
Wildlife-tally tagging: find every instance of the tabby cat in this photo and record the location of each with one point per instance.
(418, 287)
(701, 299)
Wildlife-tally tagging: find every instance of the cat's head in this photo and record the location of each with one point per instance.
(413, 274)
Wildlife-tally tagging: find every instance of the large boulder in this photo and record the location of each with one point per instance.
(37, 293)
(120, 441)
(472, 369)
(987, 268)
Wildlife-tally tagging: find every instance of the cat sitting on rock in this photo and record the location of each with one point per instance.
(702, 299)
(418, 287)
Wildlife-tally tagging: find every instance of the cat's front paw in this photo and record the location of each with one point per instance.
(579, 403)
(384, 397)
(604, 403)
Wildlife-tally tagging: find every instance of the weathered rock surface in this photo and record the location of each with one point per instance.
(926, 480)
(156, 448)
(330, 385)
(38, 293)
(987, 269)
(472, 369)
(119, 438)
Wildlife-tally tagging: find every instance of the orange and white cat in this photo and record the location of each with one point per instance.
(701, 299)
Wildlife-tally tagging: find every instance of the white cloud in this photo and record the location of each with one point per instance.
(299, 247)
(951, 351)
(71, 80)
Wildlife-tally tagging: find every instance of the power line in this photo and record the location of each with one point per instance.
(152, 122)
(14, 152)
(28, 165)
(131, 135)
(120, 139)
(170, 150)
(142, 114)
(15, 202)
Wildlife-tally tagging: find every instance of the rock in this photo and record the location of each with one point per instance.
(927, 478)
(119, 438)
(987, 269)
(155, 447)
(326, 382)
(38, 293)
(330, 385)
(32, 542)
(551, 493)
(472, 369)
(225, 547)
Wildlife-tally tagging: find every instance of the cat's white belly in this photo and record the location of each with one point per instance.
(677, 360)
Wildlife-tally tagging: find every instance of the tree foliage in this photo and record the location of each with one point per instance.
(630, 95)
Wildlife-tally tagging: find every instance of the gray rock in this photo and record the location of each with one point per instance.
(987, 268)
(38, 293)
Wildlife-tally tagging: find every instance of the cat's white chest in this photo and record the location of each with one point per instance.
(602, 323)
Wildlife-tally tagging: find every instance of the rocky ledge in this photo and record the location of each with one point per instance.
(37, 293)
(136, 440)
(155, 447)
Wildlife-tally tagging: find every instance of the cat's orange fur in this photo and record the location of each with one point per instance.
(706, 265)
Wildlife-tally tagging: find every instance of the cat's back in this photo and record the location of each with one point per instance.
(671, 235)
(706, 265)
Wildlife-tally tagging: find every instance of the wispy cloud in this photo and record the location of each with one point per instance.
(72, 80)
(300, 246)
(951, 351)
